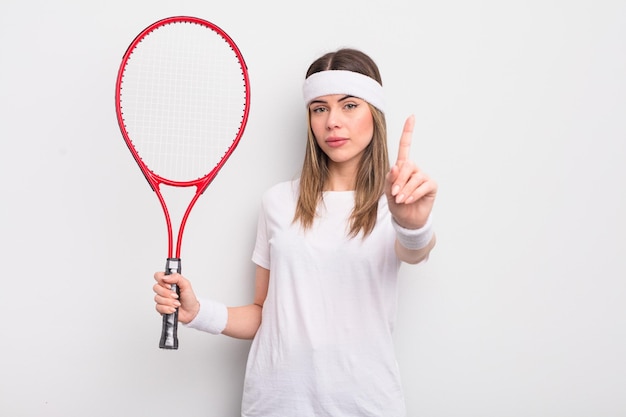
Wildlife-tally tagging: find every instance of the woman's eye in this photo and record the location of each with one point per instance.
(318, 109)
(351, 106)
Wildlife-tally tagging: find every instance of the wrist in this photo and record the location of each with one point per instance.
(211, 317)
(414, 239)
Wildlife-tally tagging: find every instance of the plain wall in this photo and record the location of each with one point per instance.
(520, 109)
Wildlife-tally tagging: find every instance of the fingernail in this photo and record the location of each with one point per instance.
(410, 199)
(400, 198)
(395, 189)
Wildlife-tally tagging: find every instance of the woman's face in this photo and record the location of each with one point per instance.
(343, 126)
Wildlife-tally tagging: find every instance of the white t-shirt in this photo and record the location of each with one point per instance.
(324, 347)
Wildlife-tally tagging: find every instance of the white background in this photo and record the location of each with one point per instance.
(520, 112)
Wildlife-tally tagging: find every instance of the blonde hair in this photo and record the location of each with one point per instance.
(374, 163)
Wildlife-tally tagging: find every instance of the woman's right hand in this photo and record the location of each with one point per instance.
(167, 300)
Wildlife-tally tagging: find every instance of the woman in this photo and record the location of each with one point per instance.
(328, 249)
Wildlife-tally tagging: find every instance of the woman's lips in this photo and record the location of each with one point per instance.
(336, 142)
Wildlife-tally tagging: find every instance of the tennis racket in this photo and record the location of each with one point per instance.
(182, 99)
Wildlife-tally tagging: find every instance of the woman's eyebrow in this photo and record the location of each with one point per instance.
(346, 97)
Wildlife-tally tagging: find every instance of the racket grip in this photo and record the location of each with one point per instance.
(169, 331)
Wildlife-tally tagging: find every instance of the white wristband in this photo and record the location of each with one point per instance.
(211, 317)
(414, 238)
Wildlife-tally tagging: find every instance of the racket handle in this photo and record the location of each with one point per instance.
(169, 332)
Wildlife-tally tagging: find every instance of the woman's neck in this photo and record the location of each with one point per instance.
(338, 186)
(340, 178)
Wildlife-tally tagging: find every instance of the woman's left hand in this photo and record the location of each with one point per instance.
(410, 192)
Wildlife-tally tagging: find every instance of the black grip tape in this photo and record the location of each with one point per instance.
(169, 332)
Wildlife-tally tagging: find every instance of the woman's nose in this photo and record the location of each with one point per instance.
(333, 119)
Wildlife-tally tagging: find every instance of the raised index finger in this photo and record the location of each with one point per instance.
(404, 147)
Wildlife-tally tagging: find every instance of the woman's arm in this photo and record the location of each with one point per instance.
(244, 321)
(213, 317)
(414, 256)
(410, 196)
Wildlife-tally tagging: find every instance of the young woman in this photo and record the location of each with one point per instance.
(328, 249)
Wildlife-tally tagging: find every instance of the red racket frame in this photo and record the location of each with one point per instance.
(155, 180)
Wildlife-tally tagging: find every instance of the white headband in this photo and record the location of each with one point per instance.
(344, 82)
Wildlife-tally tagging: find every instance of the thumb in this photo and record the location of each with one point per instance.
(390, 178)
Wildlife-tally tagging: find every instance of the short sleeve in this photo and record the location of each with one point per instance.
(261, 253)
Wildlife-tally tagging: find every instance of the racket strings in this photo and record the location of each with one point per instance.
(183, 100)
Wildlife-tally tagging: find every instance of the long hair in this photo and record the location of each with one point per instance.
(374, 163)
